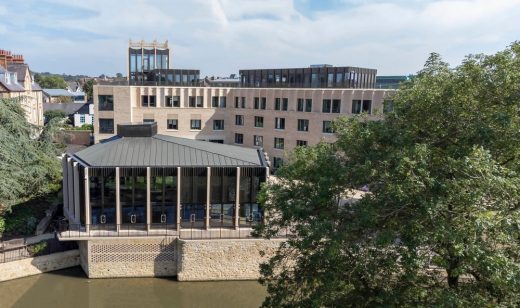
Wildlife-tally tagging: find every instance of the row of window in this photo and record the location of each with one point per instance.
(106, 102)
(279, 143)
(106, 126)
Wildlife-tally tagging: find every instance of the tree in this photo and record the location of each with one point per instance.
(440, 223)
(88, 87)
(29, 167)
(119, 75)
(50, 82)
(51, 114)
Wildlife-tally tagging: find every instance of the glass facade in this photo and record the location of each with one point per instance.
(251, 213)
(163, 196)
(193, 197)
(132, 191)
(321, 76)
(102, 191)
(222, 196)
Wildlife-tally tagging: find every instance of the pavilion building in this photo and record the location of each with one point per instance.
(140, 181)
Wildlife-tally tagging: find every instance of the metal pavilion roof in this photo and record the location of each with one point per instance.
(168, 151)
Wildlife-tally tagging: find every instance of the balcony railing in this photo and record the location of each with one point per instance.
(191, 231)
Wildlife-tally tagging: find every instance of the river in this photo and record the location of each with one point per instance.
(71, 288)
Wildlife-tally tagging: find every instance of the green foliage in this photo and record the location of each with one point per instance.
(50, 82)
(2, 225)
(28, 166)
(440, 225)
(38, 248)
(88, 87)
(51, 114)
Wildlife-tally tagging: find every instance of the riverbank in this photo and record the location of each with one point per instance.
(37, 265)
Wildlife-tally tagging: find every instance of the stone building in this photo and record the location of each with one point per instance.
(16, 81)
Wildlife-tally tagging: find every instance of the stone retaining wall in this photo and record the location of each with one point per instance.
(140, 257)
(230, 259)
(38, 265)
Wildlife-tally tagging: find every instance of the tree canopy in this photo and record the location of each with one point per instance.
(28, 164)
(88, 87)
(50, 82)
(440, 223)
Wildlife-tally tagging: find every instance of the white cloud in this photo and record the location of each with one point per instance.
(221, 36)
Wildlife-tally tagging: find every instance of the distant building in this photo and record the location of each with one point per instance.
(63, 96)
(16, 81)
(390, 82)
(79, 114)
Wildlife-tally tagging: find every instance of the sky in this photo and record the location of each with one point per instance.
(219, 37)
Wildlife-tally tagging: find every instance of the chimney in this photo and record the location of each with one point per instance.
(3, 58)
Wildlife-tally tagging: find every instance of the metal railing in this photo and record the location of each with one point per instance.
(30, 250)
(193, 231)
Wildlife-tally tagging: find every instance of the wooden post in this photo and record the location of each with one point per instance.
(208, 187)
(148, 200)
(118, 200)
(178, 199)
(237, 200)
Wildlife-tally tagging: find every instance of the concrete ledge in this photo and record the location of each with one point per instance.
(38, 265)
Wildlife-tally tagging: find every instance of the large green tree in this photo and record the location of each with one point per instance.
(88, 87)
(440, 223)
(29, 166)
(50, 82)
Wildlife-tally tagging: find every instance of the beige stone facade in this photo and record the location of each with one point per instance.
(128, 108)
(189, 260)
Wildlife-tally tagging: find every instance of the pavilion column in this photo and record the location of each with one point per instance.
(65, 189)
(87, 201)
(237, 200)
(178, 209)
(77, 218)
(208, 187)
(118, 201)
(148, 203)
(70, 190)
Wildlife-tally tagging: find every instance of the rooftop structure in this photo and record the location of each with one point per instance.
(315, 76)
(390, 82)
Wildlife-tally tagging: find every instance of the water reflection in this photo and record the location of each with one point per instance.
(71, 288)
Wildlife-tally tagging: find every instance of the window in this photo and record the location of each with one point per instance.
(361, 106)
(172, 101)
(218, 124)
(327, 127)
(240, 102)
(196, 101)
(148, 100)
(214, 101)
(260, 102)
(222, 102)
(277, 162)
(148, 120)
(308, 105)
(303, 125)
(326, 106)
(259, 121)
(258, 141)
(239, 120)
(281, 103)
(278, 143)
(82, 119)
(301, 143)
(172, 124)
(239, 138)
(279, 123)
(106, 126)
(106, 102)
(304, 105)
(195, 124)
(388, 106)
(336, 106)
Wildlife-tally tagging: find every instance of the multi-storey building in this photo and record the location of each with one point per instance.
(16, 81)
(277, 111)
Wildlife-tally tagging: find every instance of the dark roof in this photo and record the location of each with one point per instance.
(20, 70)
(161, 151)
(69, 108)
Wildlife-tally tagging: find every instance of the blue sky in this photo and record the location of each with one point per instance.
(221, 36)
